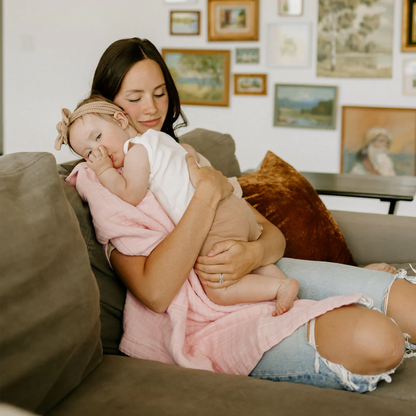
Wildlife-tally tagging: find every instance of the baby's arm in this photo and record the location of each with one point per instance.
(132, 185)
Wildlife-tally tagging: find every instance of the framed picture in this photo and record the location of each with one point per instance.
(378, 141)
(305, 106)
(409, 77)
(202, 76)
(233, 20)
(409, 26)
(290, 7)
(355, 40)
(288, 44)
(247, 56)
(185, 22)
(250, 84)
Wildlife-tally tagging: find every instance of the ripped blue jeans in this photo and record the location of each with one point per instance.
(295, 359)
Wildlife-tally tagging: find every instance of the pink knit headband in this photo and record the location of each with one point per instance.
(95, 107)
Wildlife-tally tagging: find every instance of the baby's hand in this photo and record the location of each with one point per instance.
(99, 161)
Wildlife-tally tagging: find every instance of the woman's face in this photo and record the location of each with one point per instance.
(381, 142)
(143, 96)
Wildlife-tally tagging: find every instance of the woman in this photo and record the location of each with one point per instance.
(373, 157)
(357, 344)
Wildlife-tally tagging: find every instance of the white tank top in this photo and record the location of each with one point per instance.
(169, 177)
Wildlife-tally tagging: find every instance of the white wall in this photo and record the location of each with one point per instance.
(51, 48)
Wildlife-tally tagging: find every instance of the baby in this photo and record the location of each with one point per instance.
(103, 135)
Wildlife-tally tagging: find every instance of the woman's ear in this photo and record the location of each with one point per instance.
(121, 119)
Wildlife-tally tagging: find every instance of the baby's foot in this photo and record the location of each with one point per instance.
(286, 295)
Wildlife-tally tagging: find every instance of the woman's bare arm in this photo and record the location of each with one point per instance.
(235, 259)
(155, 280)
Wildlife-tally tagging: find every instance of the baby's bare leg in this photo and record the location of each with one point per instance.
(259, 287)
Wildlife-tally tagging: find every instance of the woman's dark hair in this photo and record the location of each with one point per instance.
(117, 60)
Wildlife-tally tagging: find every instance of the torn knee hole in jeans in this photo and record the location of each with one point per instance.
(401, 274)
(410, 350)
(348, 380)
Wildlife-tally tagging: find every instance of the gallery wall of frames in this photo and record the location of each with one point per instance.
(345, 41)
(274, 75)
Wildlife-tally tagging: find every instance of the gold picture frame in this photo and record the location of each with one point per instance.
(202, 76)
(185, 22)
(233, 20)
(250, 84)
(394, 129)
(409, 26)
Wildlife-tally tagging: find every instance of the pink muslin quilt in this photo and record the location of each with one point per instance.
(194, 332)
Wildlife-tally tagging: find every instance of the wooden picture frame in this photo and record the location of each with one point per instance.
(233, 20)
(409, 77)
(378, 140)
(185, 22)
(250, 84)
(305, 106)
(409, 26)
(202, 76)
(289, 44)
(290, 8)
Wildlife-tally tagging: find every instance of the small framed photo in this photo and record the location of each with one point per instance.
(202, 76)
(409, 26)
(250, 84)
(289, 44)
(290, 7)
(185, 22)
(409, 77)
(305, 106)
(233, 20)
(378, 141)
(247, 56)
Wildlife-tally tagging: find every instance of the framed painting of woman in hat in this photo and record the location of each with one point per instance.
(378, 141)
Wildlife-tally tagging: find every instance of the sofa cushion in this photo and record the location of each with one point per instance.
(112, 290)
(218, 148)
(288, 200)
(150, 388)
(49, 300)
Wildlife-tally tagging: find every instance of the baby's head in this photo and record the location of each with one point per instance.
(96, 121)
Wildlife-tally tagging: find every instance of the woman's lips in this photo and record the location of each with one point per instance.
(150, 123)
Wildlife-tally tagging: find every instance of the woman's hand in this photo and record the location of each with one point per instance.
(212, 180)
(231, 258)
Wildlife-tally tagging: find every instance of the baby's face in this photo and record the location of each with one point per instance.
(90, 131)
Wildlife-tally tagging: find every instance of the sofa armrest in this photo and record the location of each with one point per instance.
(374, 238)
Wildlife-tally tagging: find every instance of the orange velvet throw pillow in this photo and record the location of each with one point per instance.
(288, 200)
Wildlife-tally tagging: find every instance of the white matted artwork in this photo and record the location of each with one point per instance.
(409, 77)
(288, 44)
(355, 39)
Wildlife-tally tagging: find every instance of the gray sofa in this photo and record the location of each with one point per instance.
(62, 305)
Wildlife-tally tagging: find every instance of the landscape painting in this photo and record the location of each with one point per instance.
(233, 20)
(355, 38)
(247, 55)
(202, 76)
(305, 106)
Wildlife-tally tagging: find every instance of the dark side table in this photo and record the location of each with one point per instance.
(385, 188)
